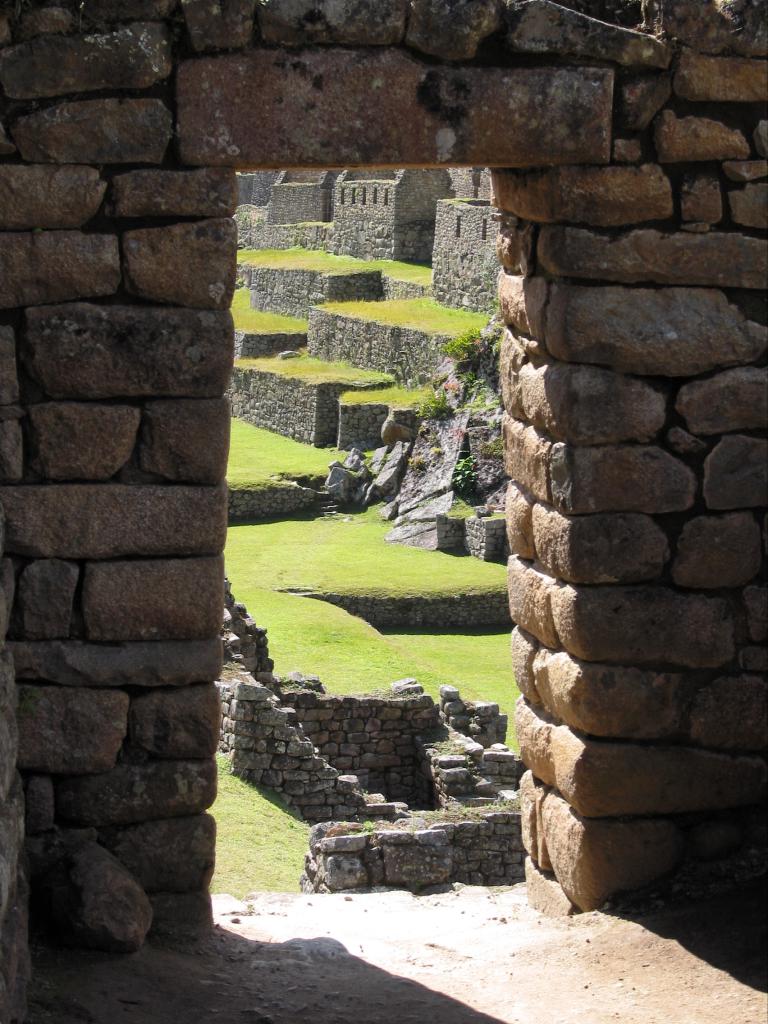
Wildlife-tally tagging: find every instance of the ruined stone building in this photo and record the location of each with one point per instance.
(629, 169)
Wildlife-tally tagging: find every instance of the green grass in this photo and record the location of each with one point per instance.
(260, 843)
(395, 398)
(258, 457)
(419, 314)
(348, 555)
(327, 263)
(255, 322)
(316, 371)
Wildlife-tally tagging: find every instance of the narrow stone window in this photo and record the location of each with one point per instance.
(375, 195)
(485, 228)
(458, 227)
(354, 196)
(342, 196)
(365, 196)
(386, 197)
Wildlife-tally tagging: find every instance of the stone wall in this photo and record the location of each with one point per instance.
(411, 356)
(455, 612)
(295, 292)
(372, 737)
(255, 189)
(258, 233)
(486, 538)
(256, 345)
(280, 501)
(464, 261)
(289, 406)
(651, 195)
(414, 855)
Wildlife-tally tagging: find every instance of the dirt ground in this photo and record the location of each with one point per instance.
(470, 956)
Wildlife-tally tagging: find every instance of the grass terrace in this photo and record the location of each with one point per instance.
(394, 397)
(327, 263)
(424, 315)
(316, 371)
(258, 458)
(253, 321)
(348, 555)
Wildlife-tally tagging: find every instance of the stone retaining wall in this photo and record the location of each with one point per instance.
(278, 501)
(297, 202)
(295, 292)
(464, 261)
(260, 234)
(486, 538)
(411, 356)
(454, 612)
(414, 856)
(394, 289)
(294, 408)
(256, 345)
(360, 425)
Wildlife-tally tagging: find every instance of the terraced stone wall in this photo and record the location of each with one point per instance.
(117, 266)
(295, 292)
(464, 261)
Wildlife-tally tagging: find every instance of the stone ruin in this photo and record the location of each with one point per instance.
(629, 166)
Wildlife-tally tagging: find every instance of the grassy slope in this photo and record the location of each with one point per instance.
(420, 314)
(256, 454)
(260, 844)
(395, 397)
(348, 555)
(317, 259)
(255, 322)
(317, 371)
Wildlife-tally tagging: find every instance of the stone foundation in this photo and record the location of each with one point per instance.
(455, 612)
(274, 502)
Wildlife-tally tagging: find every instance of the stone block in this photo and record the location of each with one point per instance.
(539, 26)
(45, 599)
(175, 855)
(345, 871)
(602, 779)
(745, 170)
(259, 102)
(345, 23)
(718, 551)
(180, 918)
(710, 26)
(48, 197)
(85, 351)
(129, 793)
(519, 508)
(690, 139)
(515, 245)
(619, 478)
(453, 30)
(724, 260)
(642, 97)
(81, 440)
(610, 700)
(70, 732)
(642, 625)
(7, 148)
(190, 264)
(45, 21)
(760, 137)
(9, 381)
(164, 599)
(8, 735)
(523, 648)
(701, 200)
(756, 603)
(158, 663)
(208, 192)
(588, 405)
(95, 903)
(545, 893)
(11, 451)
(133, 57)
(39, 809)
(736, 473)
(49, 521)
(522, 301)
(526, 457)
(701, 77)
(53, 266)
(414, 866)
(735, 399)
(595, 860)
(627, 151)
(671, 332)
(604, 196)
(177, 724)
(186, 440)
(609, 548)
(102, 131)
(749, 206)
(530, 600)
(731, 713)
(219, 25)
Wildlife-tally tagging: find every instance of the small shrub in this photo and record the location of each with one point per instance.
(464, 347)
(435, 407)
(465, 478)
(493, 449)
(417, 463)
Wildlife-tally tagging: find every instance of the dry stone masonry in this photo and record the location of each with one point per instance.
(633, 249)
